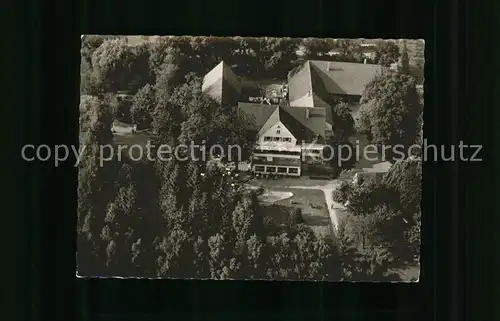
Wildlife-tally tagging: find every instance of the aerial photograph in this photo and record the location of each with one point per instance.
(244, 158)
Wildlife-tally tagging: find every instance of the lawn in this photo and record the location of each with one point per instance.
(311, 202)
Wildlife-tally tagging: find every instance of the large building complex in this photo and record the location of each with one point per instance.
(291, 134)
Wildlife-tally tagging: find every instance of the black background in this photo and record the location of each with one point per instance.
(457, 280)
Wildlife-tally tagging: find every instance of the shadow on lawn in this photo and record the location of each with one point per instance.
(316, 220)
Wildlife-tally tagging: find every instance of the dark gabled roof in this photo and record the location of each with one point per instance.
(259, 113)
(345, 78)
(298, 130)
(323, 78)
(316, 120)
(307, 80)
(273, 119)
(295, 119)
(321, 96)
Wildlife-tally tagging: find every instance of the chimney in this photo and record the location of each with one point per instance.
(307, 113)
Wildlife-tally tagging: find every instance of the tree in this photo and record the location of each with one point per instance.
(363, 263)
(173, 197)
(386, 53)
(314, 48)
(349, 51)
(386, 212)
(413, 234)
(112, 63)
(119, 229)
(417, 60)
(197, 126)
(342, 193)
(139, 69)
(162, 52)
(198, 212)
(404, 61)
(148, 223)
(364, 198)
(279, 55)
(95, 183)
(88, 81)
(348, 254)
(246, 221)
(256, 257)
(222, 263)
(405, 177)
(305, 242)
(374, 264)
(327, 266)
(177, 255)
(120, 106)
(343, 129)
(143, 107)
(89, 44)
(201, 258)
(283, 255)
(168, 77)
(389, 112)
(343, 122)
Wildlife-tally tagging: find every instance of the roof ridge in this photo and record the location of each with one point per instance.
(344, 62)
(310, 78)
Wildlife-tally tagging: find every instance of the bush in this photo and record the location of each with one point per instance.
(342, 194)
(295, 217)
(338, 197)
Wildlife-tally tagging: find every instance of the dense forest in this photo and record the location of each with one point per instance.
(188, 219)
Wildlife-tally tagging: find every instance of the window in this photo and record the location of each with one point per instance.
(314, 151)
(259, 168)
(282, 169)
(287, 139)
(267, 139)
(276, 139)
(278, 131)
(293, 170)
(271, 169)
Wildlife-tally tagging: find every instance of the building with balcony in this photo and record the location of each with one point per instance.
(292, 135)
(287, 138)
